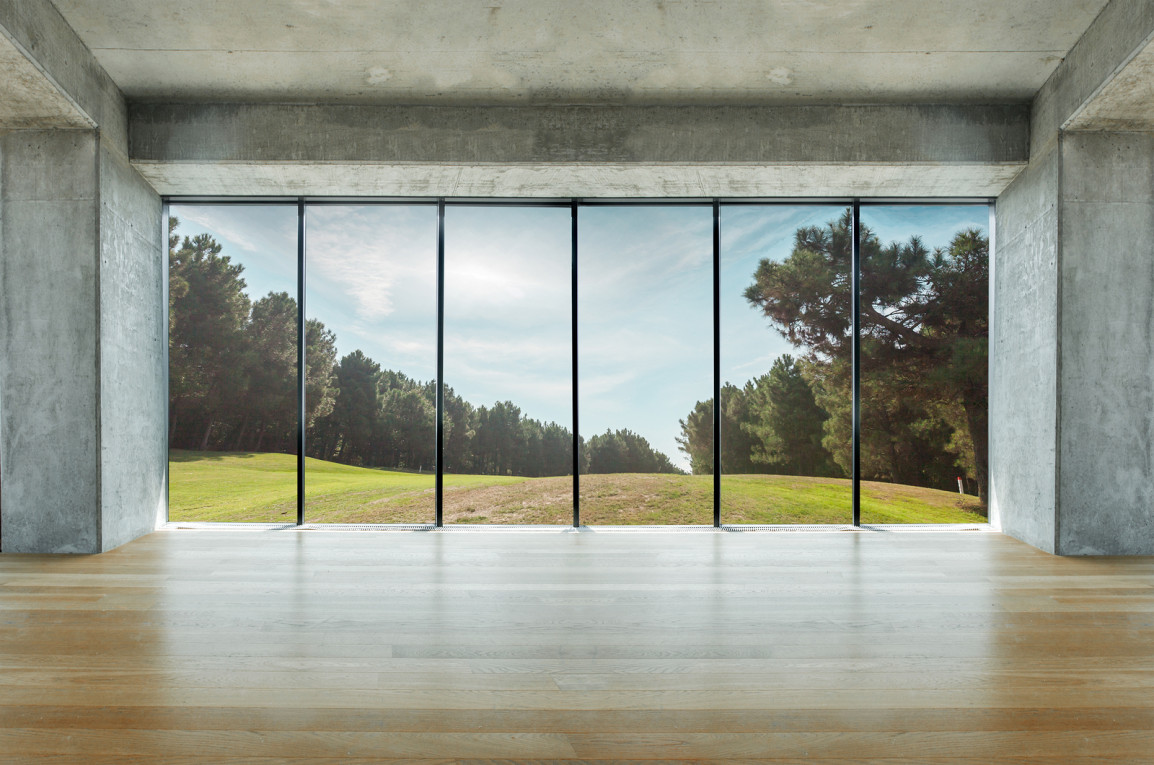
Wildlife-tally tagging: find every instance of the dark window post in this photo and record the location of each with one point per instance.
(302, 372)
(440, 481)
(716, 363)
(573, 205)
(855, 358)
(165, 235)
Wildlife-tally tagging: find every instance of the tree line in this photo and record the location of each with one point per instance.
(233, 387)
(924, 329)
(924, 334)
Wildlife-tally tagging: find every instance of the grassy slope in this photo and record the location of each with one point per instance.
(214, 486)
(232, 486)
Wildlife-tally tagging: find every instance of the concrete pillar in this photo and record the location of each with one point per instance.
(1106, 345)
(81, 345)
(1072, 355)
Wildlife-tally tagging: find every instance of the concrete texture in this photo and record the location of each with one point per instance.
(585, 180)
(36, 30)
(583, 151)
(1120, 32)
(599, 51)
(1024, 357)
(28, 100)
(133, 337)
(82, 337)
(1072, 340)
(604, 134)
(1072, 349)
(1126, 102)
(82, 314)
(48, 342)
(1106, 475)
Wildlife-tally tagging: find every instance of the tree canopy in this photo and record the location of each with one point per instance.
(924, 333)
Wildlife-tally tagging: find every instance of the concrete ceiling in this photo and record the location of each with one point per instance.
(592, 51)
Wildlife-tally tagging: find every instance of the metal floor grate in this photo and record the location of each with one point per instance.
(366, 527)
(926, 527)
(815, 528)
(223, 526)
(467, 528)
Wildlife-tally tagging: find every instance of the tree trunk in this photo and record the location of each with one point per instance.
(175, 416)
(259, 438)
(240, 436)
(207, 433)
(977, 416)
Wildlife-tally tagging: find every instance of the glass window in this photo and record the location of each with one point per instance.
(232, 426)
(786, 421)
(370, 399)
(924, 332)
(508, 365)
(645, 336)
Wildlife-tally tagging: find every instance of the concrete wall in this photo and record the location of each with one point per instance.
(82, 314)
(1072, 341)
(1072, 348)
(48, 342)
(1106, 371)
(1024, 355)
(133, 335)
(81, 345)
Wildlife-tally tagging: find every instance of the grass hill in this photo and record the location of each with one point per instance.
(248, 487)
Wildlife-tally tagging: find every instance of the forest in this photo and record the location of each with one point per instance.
(923, 380)
(233, 387)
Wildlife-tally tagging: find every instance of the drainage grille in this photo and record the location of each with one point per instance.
(468, 528)
(206, 525)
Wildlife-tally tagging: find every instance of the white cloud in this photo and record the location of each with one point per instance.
(252, 228)
(378, 258)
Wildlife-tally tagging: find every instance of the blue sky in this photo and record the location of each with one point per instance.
(645, 295)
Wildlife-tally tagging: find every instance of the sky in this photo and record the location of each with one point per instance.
(644, 295)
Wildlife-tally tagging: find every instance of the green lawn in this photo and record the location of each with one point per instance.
(220, 486)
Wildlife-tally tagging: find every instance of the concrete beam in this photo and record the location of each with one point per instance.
(577, 150)
(364, 179)
(1120, 35)
(28, 99)
(50, 79)
(1126, 103)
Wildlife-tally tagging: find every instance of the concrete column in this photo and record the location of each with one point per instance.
(1023, 356)
(49, 381)
(81, 345)
(1106, 345)
(1072, 356)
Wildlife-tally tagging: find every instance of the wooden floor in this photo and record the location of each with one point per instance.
(230, 646)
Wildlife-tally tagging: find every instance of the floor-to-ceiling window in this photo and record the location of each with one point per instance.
(713, 377)
(785, 414)
(232, 419)
(924, 371)
(371, 351)
(645, 350)
(508, 365)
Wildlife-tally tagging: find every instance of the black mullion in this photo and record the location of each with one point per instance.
(302, 372)
(573, 348)
(855, 359)
(440, 481)
(716, 363)
(166, 234)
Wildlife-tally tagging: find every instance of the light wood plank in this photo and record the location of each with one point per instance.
(202, 646)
